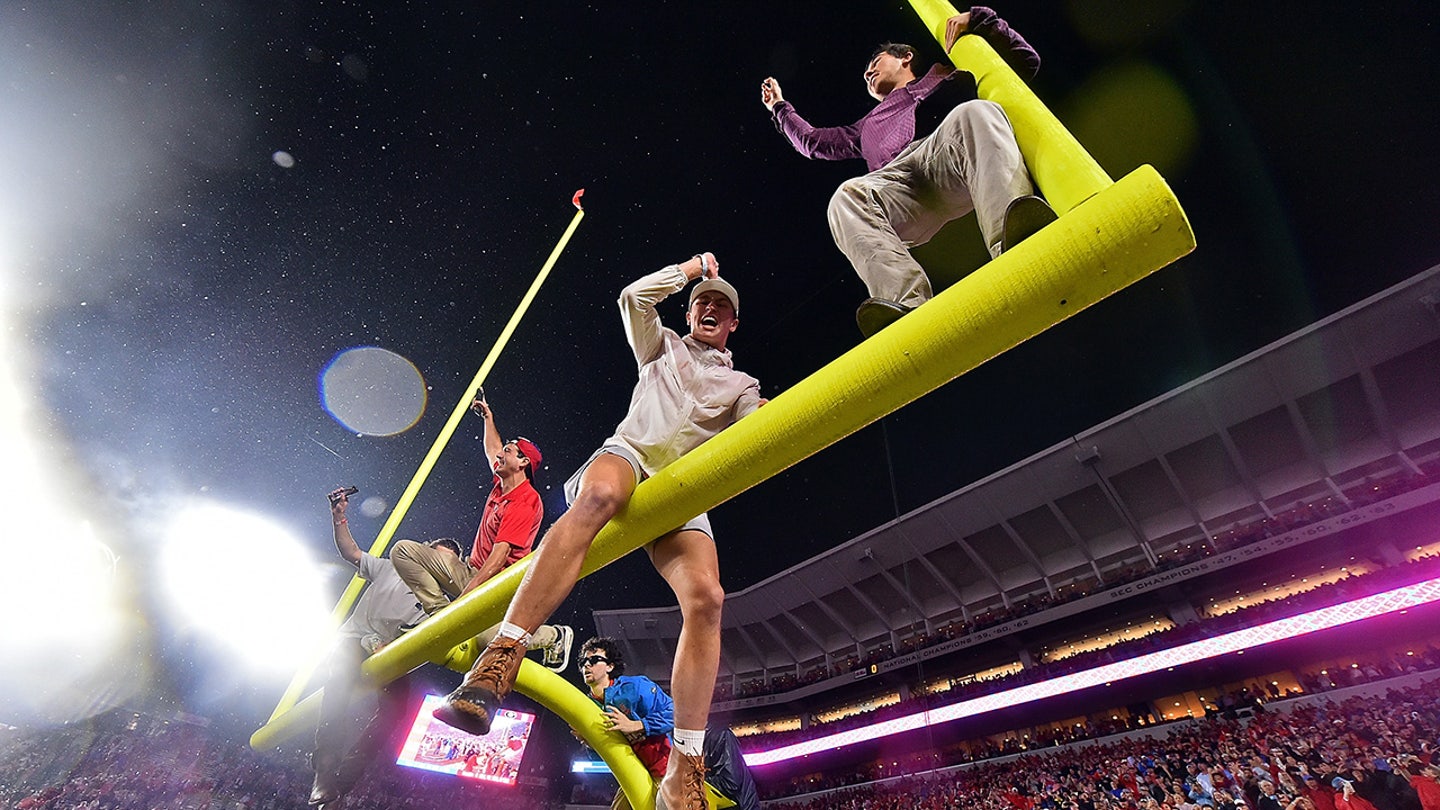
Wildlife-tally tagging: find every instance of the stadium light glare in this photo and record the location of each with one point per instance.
(44, 515)
(1397, 600)
(87, 620)
(246, 582)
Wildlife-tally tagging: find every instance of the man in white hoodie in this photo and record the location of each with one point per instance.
(688, 391)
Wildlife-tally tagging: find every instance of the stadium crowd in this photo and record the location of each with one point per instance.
(105, 765)
(1348, 588)
(1358, 754)
(1220, 762)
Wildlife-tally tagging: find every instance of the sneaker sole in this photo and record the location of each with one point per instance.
(567, 635)
(1025, 217)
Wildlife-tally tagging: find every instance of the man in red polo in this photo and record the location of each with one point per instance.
(508, 527)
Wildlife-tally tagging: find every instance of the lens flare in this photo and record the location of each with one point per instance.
(1132, 113)
(373, 391)
(374, 506)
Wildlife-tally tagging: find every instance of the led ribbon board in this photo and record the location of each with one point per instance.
(1380, 604)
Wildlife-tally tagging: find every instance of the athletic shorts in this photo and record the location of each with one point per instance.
(700, 523)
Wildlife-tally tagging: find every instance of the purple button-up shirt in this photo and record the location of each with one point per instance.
(886, 130)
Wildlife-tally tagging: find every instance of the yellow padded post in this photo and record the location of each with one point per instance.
(1120, 235)
(554, 693)
(1065, 173)
(387, 531)
(576, 708)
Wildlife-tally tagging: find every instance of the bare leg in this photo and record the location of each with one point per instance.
(687, 561)
(604, 490)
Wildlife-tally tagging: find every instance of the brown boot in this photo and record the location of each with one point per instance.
(683, 788)
(468, 708)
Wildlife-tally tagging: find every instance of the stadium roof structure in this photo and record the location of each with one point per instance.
(1316, 415)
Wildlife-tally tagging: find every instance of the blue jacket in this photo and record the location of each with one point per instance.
(642, 699)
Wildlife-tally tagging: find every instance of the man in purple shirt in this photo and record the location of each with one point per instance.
(969, 163)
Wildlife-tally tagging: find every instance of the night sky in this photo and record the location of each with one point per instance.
(170, 292)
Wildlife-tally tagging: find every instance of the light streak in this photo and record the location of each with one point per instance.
(328, 450)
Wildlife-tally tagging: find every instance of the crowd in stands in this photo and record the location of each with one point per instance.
(1301, 515)
(107, 767)
(1359, 754)
(102, 765)
(1351, 587)
(89, 767)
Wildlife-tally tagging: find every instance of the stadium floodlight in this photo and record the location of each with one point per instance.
(248, 583)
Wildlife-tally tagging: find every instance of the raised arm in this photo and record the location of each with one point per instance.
(1006, 41)
(824, 143)
(344, 541)
(639, 299)
(493, 442)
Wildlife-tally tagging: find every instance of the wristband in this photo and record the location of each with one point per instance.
(704, 264)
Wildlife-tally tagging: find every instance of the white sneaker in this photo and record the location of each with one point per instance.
(557, 655)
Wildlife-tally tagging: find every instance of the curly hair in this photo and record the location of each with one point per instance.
(609, 648)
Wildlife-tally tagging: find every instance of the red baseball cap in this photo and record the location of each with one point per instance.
(528, 449)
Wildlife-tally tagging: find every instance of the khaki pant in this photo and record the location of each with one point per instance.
(969, 163)
(436, 577)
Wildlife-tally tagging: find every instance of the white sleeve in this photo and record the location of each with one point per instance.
(637, 310)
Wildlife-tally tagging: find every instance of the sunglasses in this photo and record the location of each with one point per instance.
(592, 660)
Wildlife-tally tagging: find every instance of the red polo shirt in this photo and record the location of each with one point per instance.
(510, 517)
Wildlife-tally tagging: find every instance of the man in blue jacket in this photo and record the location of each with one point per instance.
(638, 708)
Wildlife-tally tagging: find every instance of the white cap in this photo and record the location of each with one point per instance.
(724, 287)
